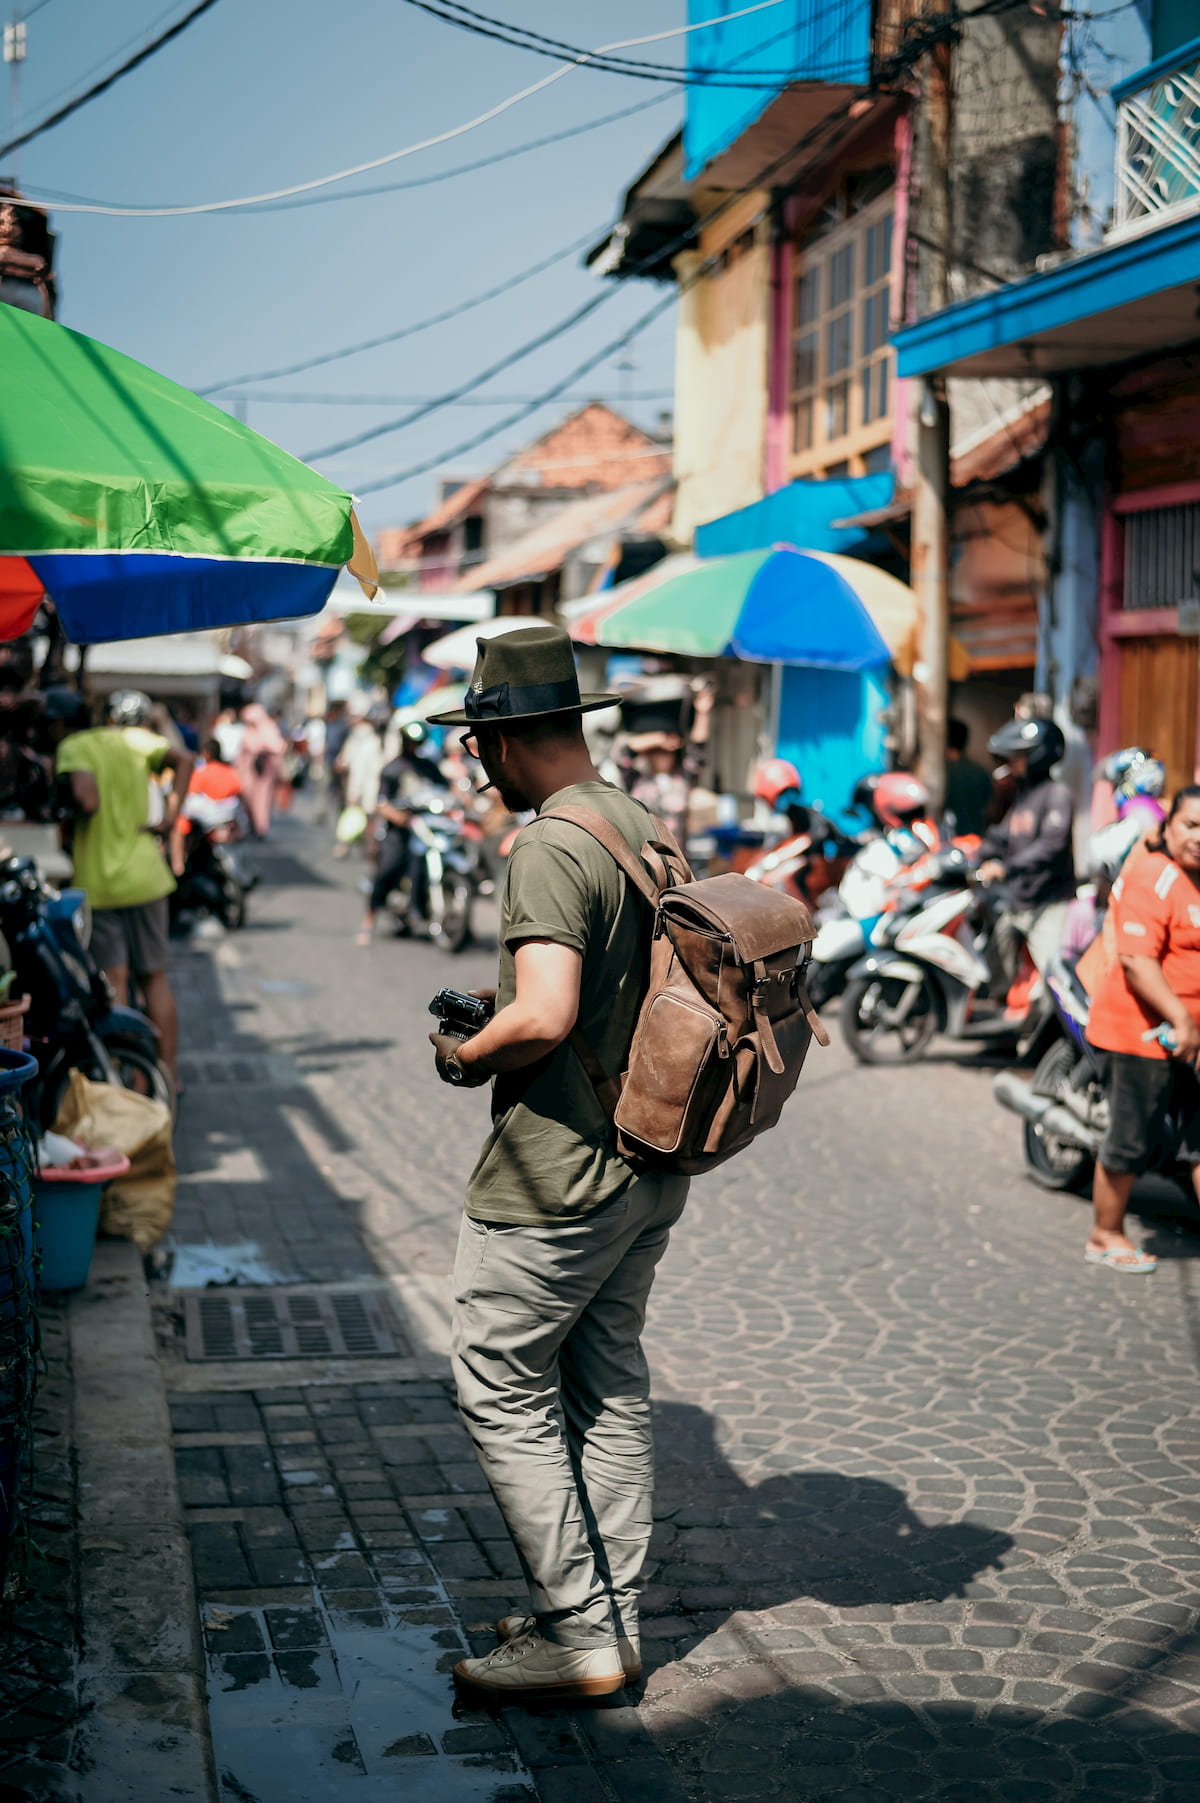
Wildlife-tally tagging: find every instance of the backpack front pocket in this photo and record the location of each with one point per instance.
(677, 1066)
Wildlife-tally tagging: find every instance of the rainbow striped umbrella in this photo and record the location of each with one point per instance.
(141, 509)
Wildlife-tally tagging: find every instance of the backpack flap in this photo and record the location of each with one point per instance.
(760, 921)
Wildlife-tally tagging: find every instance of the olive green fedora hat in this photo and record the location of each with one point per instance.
(528, 674)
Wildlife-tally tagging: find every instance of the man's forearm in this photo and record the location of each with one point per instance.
(1146, 979)
(511, 1041)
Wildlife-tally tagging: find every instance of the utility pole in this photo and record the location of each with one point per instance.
(931, 432)
(14, 56)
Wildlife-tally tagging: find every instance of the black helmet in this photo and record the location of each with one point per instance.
(863, 798)
(1040, 740)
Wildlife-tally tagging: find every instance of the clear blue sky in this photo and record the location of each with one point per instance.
(261, 93)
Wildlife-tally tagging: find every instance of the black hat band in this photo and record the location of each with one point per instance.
(505, 701)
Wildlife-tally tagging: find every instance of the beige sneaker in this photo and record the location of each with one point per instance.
(529, 1669)
(628, 1649)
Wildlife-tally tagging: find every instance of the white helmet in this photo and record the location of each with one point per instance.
(1108, 848)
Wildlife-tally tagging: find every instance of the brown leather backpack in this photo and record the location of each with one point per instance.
(725, 1022)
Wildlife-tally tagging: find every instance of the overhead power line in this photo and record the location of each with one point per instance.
(272, 396)
(922, 35)
(416, 181)
(101, 87)
(421, 325)
(483, 25)
(445, 400)
(680, 242)
(523, 412)
(437, 319)
(457, 131)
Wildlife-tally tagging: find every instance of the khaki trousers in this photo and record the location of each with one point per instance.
(554, 1389)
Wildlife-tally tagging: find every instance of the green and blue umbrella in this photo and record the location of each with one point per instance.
(141, 509)
(783, 605)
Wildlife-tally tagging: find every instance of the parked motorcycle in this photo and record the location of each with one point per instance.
(72, 1022)
(845, 924)
(214, 880)
(1064, 1112)
(928, 969)
(435, 892)
(895, 803)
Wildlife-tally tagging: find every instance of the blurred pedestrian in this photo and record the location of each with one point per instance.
(117, 853)
(660, 769)
(259, 762)
(228, 732)
(969, 788)
(1153, 986)
(360, 765)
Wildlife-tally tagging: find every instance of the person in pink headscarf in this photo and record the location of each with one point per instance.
(259, 762)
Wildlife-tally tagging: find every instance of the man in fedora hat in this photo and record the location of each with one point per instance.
(560, 1237)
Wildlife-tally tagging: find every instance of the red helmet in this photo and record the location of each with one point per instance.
(899, 798)
(775, 778)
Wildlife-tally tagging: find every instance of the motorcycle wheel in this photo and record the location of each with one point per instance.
(146, 1075)
(874, 1041)
(459, 894)
(1054, 1163)
(233, 905)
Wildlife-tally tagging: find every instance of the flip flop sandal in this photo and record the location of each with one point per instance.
(1118, 1259)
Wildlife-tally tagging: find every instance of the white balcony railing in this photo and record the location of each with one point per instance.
(1158, 150)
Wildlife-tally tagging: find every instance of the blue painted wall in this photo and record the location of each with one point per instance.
(829, 727)
(806, 40)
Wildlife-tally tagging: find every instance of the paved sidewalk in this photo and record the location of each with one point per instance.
(929, 1487)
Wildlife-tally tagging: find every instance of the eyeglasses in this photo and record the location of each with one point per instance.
(469, 743)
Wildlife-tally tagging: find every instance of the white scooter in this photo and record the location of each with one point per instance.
(927, 971)
(844, 927)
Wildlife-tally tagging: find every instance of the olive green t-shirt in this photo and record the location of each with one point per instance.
(550, 1155)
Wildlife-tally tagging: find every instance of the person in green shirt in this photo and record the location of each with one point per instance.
(117, 853)
(969, 788)
(560, 1238)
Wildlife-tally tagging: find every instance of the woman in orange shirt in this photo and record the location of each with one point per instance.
(1155, 982)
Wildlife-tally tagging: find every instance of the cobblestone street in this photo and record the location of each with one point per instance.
(929, 1486)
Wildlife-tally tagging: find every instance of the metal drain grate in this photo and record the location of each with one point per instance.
(284, 1324)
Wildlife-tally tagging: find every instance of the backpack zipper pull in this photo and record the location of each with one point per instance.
(723, 1040)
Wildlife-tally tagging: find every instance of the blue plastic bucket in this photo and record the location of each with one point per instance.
(67, 1216)
(66, 1207)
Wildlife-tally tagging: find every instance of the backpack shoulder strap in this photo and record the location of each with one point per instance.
(615, 844)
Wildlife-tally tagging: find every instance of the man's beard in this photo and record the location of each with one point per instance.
(513, 799)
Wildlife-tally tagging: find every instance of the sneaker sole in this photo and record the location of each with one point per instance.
(542, 1693)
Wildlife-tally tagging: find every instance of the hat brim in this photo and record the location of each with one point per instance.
(587, 704)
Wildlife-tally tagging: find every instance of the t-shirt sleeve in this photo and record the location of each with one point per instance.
(156, 751)
(1141, 911)
(73, 754)
(546, 896)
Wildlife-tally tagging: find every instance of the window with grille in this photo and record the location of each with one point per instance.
(841, 362)
(1162, 556)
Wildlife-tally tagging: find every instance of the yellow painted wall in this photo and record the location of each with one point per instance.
(721, 350)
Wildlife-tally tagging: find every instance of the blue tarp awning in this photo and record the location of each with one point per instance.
(799, 515)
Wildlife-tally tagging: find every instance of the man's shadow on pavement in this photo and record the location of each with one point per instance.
(869, 1709)
(804, 1536)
